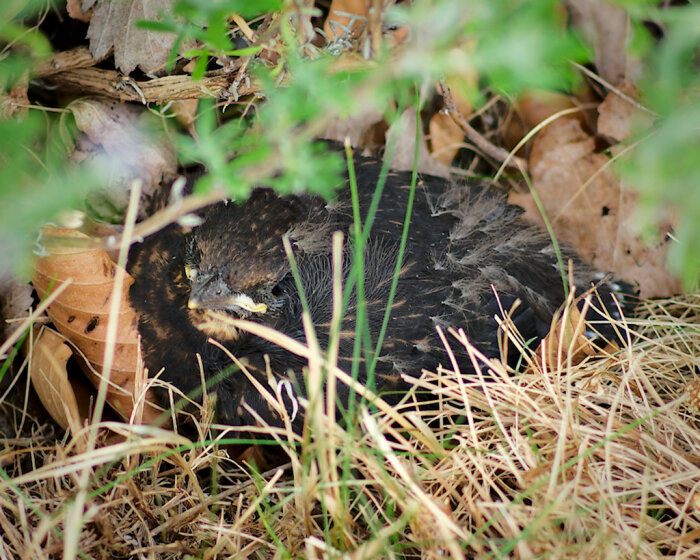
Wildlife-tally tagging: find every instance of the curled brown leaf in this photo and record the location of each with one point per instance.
(82, 311)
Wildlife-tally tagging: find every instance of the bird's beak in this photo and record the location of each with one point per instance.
(215, 294)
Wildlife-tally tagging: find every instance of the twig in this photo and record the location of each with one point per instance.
(63, 61)
(607, 85)
(110, 83)
(499, 154)
(166, 216)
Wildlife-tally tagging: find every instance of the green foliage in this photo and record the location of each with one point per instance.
(509, 44)
(665, 166)
(35, 183)
(21, 44)
(513, 44)
(279, 149)
(207, 21)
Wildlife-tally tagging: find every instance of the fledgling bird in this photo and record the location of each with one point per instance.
(465, 244)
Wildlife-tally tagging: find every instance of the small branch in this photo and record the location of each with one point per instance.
(62, 61)
(499, 154)
(116, 85)
(167, 216)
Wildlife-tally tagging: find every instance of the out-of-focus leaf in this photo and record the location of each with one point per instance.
(24, 46)
(345, 16)
(112, 28)
(35, 184)
(359, 129)
(519, 44)
(116, 137)
(607, 27)
(209, 8)
(402, 136)
(665, 166)
(618, 117)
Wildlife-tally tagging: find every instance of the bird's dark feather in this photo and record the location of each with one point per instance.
(464, 241)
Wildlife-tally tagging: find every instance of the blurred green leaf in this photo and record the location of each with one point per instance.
(21, 44)
(35, 184)
(509, 44)
(665, 166)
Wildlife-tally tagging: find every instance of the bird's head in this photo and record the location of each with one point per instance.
(210, 289)
(235, 261)
(233, 268)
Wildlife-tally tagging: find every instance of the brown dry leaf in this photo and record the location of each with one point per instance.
(81, 313)
(358, 128)
(617, 116)
(76, 11)
(598, 220)
(606, 26)
(446, 137)
(47, 370)
(15, 301)
(115, 138)
(533, 107)
(402, 135)
(338, 24)
(112, 29)
(566, 341)
(185, 111)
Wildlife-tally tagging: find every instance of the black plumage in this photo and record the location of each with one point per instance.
(464, 241)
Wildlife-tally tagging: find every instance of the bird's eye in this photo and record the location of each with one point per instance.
(190, 272)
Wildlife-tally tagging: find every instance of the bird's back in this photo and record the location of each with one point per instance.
(464, 245)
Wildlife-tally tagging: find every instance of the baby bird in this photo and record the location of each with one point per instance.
(465, 245)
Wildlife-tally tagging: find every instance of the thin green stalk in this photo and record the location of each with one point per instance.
(550, 231)
(402, 246)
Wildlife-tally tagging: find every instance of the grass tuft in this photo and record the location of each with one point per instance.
(590, 460)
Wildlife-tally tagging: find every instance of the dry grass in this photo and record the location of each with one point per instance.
(595, 460)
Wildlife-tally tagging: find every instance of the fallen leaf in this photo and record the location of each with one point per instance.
(115, 136)
(112, 29)
(358, 128)
(566, 341)
(533, 107)
(403, 137)
(76, 11)
(185, 111)
(617, 116)
(446, 137)
(81, 313)
(47, 370)
(606, 26)
(590, 209)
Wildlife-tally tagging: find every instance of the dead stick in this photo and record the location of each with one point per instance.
(499, 154)
(116, 85)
